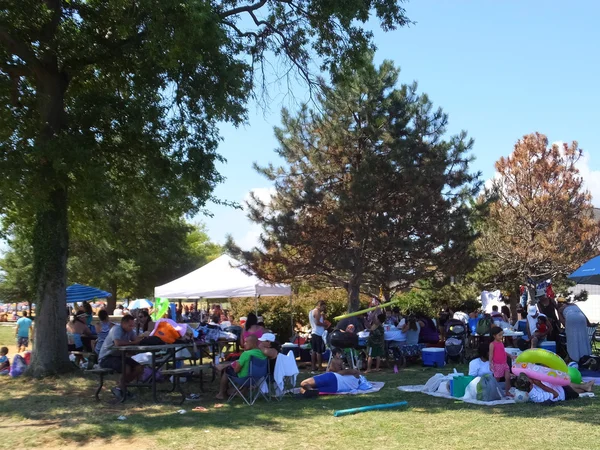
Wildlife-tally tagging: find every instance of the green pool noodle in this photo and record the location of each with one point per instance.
(345, 412)
(362, 311)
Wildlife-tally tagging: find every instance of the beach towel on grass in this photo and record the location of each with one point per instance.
(420, 388)
(377, 385)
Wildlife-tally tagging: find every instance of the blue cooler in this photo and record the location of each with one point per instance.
(473, 325)
(434, 357)
(549, 345)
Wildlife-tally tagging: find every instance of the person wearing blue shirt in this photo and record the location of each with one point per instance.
(24, 324)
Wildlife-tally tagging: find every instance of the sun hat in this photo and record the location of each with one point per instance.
(267, 337)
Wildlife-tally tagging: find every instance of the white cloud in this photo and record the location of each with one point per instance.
(264, 194)
(250, 239)
(591, 178)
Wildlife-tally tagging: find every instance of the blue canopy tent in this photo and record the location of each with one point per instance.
(589, 273)
(80, 293)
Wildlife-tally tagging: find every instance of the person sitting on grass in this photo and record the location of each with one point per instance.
(336, 379)
(111, 358)
(376, 342)
(542, 392)
(240, 368)
(4, 362)
(480, 366)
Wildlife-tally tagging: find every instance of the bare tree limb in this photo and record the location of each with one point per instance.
(242, 9)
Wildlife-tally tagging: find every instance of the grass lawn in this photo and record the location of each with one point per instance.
(55, 413)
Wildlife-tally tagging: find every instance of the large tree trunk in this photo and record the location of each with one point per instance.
(111, 302)
(353, 295)
(50, 245)
(51, 233)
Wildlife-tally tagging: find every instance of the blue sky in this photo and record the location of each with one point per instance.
(500, 69)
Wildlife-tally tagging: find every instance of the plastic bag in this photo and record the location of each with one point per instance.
(18, 366)
(147, 374)
(488, 389)
(471, 390)
(143, 358)
(183, 353)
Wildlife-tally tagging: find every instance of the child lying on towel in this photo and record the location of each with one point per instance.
(336, 379)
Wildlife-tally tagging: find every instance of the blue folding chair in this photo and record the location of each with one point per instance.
(258, 375)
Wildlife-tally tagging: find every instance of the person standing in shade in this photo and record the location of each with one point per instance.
(576, 328)
(22, 330)
(317, 324)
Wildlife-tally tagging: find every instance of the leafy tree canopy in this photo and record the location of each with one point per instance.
(128, 93)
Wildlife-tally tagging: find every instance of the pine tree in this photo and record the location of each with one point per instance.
(542, 224)
(371, 193)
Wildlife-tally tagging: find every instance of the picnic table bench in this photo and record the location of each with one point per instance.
(185, 372)
(101, 373)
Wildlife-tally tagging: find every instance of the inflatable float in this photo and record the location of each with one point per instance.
(542, 365)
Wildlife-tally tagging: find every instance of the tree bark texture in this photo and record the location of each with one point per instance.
(353, 295)
(50, 355)
(51, 234)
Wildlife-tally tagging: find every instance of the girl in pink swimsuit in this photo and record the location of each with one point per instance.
(498, 357)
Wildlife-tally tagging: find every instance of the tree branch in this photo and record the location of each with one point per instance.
(109, 49)
(241, 9)
(18, 48)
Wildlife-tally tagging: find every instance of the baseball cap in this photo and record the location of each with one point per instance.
(267, 337)
(532, 311)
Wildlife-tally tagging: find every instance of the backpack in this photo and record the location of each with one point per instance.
(484, 326)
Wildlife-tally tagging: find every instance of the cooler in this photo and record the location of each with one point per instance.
(473, 325)
(458, 385)
(290, 347)
(434, 357)
(513, 352)
(549, 345)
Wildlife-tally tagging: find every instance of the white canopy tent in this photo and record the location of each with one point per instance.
(221, 278)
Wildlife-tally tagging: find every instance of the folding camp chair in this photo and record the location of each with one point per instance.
(593, 335)
(258, 375)
(289, 377)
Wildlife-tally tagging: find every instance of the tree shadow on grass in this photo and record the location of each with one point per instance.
(69, 403)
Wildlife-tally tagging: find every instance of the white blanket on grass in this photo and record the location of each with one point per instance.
(421, 387)
(505, 401)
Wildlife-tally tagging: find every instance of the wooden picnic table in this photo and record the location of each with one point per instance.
(171, 349)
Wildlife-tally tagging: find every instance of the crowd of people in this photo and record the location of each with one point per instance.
(388, 329)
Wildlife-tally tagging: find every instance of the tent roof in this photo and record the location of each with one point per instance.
(221, 278)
